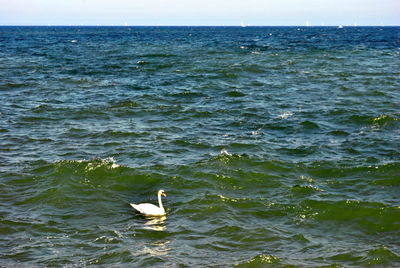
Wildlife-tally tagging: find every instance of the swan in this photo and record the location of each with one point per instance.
(148, 209)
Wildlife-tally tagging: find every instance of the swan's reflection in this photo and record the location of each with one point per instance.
(156, 248)
(159, 248)
(155, 223)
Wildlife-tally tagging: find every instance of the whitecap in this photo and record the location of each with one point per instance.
(225, 152)
(112, 161)
(92, 165)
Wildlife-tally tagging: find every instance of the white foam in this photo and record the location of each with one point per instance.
(229, 199)
(225, 152)
(256, 132)
(91, 166)
(111, 160)
(285, 115)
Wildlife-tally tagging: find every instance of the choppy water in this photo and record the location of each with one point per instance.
(278, 147)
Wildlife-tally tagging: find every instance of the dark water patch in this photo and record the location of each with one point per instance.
(191, 144)
(35, 119)
(300, 151)
(15, 141)
(137, 87)
(225, 74)
(235, 94)
(88, 113)
(189, 94)
(124, 104)
(14, 85)
(112, 144)
(120, 134)
(200, 114)
(254, 68)
(309, 125)
(339, 133)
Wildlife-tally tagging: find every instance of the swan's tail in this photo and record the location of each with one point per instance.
(134, 206)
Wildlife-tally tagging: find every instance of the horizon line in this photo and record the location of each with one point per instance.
(182, 25)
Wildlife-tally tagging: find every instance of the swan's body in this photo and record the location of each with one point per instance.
(148, 209)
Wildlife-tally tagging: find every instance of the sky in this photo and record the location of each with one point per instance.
(203, 12)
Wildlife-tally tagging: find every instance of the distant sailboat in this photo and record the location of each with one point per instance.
(242, 24)
(307, 23)
(340, 26)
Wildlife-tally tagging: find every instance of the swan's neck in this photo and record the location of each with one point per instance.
(159, 201)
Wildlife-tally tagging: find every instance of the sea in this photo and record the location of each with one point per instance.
(276, 146)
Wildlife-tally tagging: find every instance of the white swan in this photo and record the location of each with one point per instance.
(150, 209)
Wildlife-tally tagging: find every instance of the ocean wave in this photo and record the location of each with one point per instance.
(262, 260)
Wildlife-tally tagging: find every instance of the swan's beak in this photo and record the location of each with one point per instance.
(164, 194)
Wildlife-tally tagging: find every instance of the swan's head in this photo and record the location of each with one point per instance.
(162, 193)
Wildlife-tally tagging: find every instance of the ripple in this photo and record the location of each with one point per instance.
(124, 104)
(380, 256)
(384, 121)
(189, 94)
(356, 212)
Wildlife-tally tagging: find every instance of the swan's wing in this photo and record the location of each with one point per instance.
(148, 209)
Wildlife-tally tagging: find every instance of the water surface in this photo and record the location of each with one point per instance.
(278, 146)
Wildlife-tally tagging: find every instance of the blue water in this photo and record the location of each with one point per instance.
(277, 146)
